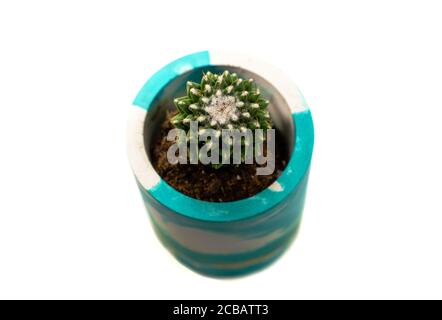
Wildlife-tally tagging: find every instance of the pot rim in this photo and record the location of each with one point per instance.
(152, 184)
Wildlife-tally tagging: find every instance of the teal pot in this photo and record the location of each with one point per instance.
(223, 238)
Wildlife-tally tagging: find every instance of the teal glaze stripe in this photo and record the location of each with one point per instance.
(160, 79)
(224, 271)
(295, 171)
(226, 259)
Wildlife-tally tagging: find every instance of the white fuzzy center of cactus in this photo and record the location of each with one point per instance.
(222, 109)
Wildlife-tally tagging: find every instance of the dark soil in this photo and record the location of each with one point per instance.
(228, 183)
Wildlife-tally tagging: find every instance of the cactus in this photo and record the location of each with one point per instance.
(222, 101)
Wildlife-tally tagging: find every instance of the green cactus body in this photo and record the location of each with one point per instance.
(222, 101)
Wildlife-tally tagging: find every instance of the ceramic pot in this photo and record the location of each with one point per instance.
(223, 238)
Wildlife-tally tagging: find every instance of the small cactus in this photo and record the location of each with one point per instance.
(222, 101)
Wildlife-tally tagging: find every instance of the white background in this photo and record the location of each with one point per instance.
(72, 223)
